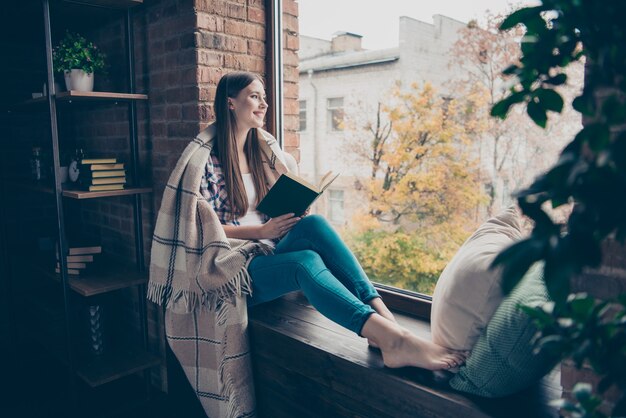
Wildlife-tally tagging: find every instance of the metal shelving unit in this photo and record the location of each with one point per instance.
(125, 359)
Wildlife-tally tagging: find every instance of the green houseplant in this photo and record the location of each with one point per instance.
(77, 59)
(590, 173)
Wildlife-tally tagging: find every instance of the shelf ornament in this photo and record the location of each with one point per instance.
(78, 60)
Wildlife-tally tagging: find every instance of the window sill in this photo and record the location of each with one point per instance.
(306, 365)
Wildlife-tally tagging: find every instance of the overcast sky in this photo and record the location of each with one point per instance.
(377, 20)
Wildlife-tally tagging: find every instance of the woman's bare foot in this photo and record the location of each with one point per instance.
(401, 348)
(410, 350)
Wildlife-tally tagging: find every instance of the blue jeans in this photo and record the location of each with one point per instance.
(313, 258)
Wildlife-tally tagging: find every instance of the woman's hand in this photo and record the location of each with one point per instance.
(279, 226)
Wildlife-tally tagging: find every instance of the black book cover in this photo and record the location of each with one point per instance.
(291, 194)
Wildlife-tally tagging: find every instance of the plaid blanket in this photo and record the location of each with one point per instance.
(200, 276)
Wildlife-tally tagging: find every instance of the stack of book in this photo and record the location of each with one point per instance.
(79, 260)
(100, 174)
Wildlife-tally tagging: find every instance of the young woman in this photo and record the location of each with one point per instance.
(303, 252)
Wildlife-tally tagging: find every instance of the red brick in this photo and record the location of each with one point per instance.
(291, 107)
(290, 90)
(256, 48)
(236, 44)
(157, 63)
(235, 27)
(290, 7)
(245, 63)
(290, 58)
(157, 47)
(292, 42)
(173, 78)
(182, 24)
(211, 40)
(291, 74)
(255, 31)
(210, 22)
(172, 44)
(210, 75)
(190, 112)
(181, 129)
(188, 76)
(292, 122)
(257, 65)
(236, 10)
(207, 94)
(291, 139)
(157, 113)
(256, 15)
(290, 22)
(179, 95)
(173, 113)
(210, 58)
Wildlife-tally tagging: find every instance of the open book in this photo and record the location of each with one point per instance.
(291, 194)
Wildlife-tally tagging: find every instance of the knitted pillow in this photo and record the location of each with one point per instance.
(502, 361)
(468, 291)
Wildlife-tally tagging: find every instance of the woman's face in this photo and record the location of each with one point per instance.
(250, 106)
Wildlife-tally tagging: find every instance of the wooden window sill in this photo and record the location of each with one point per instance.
(306, 365)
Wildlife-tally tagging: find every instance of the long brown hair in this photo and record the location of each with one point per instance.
(230, 85)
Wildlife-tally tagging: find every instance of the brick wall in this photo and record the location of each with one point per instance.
(185, 49)
(182, 48)
(291, 43)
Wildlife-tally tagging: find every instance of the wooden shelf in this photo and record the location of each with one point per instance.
(82, 194)
(102, 282)
(67, 97)
(96, 371)
(77, 194)
(73, 95)
(115, 4)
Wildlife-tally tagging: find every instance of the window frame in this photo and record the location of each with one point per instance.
(330, 205)
(330, 125)
(302, 108)
(405, 301)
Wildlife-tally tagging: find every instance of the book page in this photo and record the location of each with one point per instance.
(327, 180)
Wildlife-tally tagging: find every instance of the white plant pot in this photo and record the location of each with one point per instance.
(78, 80)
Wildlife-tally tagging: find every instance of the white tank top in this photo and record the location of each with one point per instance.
(252, 217)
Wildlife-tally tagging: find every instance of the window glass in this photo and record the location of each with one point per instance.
(335, 114)
(401, 107)
(302, 115)
(335, 206)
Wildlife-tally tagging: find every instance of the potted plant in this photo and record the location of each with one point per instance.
(77, 59)
(591, 173)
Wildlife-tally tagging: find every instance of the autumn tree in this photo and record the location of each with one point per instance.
(511, 151)
(422, 189)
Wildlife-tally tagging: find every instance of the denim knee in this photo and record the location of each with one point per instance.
(314, 221)
(311, 262)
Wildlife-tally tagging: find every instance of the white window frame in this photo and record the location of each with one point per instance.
(331, 116)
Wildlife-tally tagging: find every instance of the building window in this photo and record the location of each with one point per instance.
(335, 113)
(302, 114)
(335, 206)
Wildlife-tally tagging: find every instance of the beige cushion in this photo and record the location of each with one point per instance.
(468, 292)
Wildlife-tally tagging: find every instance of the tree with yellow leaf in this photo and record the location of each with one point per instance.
(423, 189)
(512, 151)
